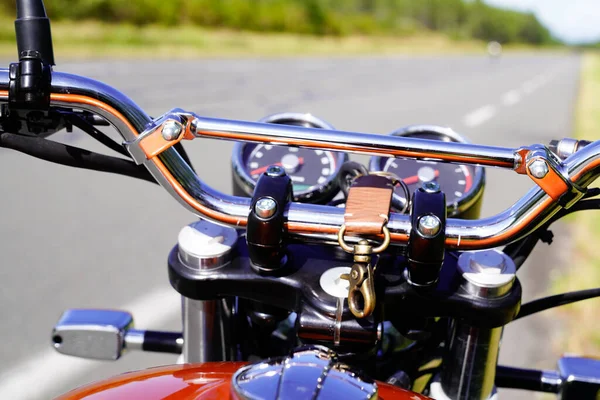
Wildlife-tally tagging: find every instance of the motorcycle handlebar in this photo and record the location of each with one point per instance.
(561, 186)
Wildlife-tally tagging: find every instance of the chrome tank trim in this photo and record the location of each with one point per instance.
(309, 372)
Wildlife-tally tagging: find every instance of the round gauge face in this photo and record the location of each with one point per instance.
(454, 180)
(309, 169)
(462, 184)
(313, 172)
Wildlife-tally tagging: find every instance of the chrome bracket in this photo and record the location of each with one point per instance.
(152, 141)
(550, 174)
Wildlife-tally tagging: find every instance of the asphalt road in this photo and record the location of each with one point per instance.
(72, 238)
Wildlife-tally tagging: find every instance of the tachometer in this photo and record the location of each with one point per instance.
(462, 184)
(313, 172)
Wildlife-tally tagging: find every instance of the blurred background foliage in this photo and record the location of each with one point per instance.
(460, 19)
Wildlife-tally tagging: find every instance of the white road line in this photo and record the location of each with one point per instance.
(479, 116)
(511, 98)
(48, 371)
(529, 87)
(536, 82)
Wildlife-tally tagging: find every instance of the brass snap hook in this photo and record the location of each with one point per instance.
(361, 293)
(351, 249)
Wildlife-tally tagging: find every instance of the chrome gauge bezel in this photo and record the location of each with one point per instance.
(448, 135)
(321, 193)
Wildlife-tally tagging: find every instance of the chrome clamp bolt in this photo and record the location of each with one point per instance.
(538, 168)
(429, 225)
(275, 170)
(265, 207)
(171, 130)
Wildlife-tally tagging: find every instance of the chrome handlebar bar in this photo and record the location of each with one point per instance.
(560, 183)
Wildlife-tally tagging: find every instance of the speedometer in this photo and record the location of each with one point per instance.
(462, 184)
(313, 172)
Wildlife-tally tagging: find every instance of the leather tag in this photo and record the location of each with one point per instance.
(368, 205)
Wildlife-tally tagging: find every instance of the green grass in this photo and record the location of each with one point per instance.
(582, 327)
(90, 39)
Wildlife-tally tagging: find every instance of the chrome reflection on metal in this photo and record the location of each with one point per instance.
(563, 148)
(194, 126)
(437, 392)
(265, 207)
(533, 209)
(538, 168)
(134, 339)
(171, 130)
(429, 225)
(469, 366)
(205, 329)
(551, 381)
(204, 246)
(97, 334)
(355, 142)
(580, 378)
(566, 147)
(486, 273)
(310, 372)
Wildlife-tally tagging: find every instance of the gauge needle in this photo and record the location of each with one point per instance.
(415, 178)
(263, 169)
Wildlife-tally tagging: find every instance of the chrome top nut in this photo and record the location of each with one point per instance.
(486, 273)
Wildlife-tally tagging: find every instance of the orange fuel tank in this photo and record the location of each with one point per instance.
(187, 382)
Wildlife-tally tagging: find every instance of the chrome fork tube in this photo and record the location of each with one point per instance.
(204, 331)
(203, 248)
(470, 365)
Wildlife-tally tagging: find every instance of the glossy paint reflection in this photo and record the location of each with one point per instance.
(187, 382)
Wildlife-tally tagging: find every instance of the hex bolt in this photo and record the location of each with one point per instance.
(429, 225)
(431, 187)
(275, 171)
(171, 130)
(265, 207)
(354, 274)
(538, 168)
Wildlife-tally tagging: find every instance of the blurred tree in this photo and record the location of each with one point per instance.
(459, 18)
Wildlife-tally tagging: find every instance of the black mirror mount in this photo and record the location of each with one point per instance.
(30, 80)
(32, 28)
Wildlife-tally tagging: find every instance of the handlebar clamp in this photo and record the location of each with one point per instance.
(549, 173)
(29, 83)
